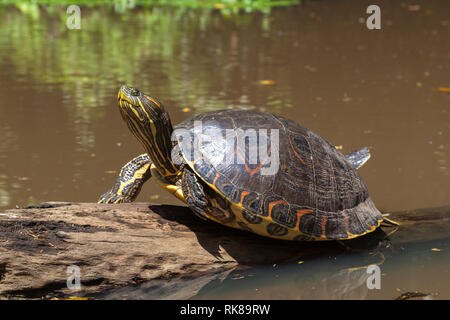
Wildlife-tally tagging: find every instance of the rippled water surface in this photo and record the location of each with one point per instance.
(62, 138)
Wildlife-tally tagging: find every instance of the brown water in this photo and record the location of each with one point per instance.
(62, 138)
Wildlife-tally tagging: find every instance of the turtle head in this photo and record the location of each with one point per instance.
(150, 123)
(140, 107)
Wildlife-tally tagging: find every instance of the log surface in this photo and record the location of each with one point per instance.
(117, 245)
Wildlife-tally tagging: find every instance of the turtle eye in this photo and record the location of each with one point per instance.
(134, 92)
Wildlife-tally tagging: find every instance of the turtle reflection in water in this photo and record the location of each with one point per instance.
(316, 193)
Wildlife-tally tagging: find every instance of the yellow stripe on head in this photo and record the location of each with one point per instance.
(154, 101)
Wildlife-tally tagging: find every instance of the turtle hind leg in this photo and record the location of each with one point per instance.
(129, 183)
(194, 193)
(358, 157)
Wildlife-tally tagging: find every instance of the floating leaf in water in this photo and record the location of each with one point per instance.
(187, 109)
(414, 7)
(300, 262)
(346, 98)
(267, 82)
(435, 249)
(419, 84)
(310, 68)
(442, 89)
(339, 147)
(218, 6)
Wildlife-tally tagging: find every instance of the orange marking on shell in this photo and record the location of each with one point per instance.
(253, 171)
(274, 203)
(324, 224)
(215, 178)
(300, 213)
(346, 227)
(258, 168)
(297, 155)
(243, 194)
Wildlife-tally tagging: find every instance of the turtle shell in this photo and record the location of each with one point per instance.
(314, 188)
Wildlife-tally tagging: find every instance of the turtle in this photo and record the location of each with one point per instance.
(249, 170)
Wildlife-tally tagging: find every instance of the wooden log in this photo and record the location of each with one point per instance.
(123, 244)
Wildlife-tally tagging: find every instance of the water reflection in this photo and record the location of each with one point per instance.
(337, 278)
(321, 279)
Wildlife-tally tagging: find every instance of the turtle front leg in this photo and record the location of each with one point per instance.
(129, 183)
(193, 193)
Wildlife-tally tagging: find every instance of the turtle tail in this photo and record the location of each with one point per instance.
(388, 222)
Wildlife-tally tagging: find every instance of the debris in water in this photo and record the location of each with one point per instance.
(436, 249)
(414, 7)
(442, 89)
(409, 295)
(267, 82)
(310, 68)
(346, 98)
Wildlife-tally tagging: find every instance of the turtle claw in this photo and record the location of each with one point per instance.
(200, 214)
